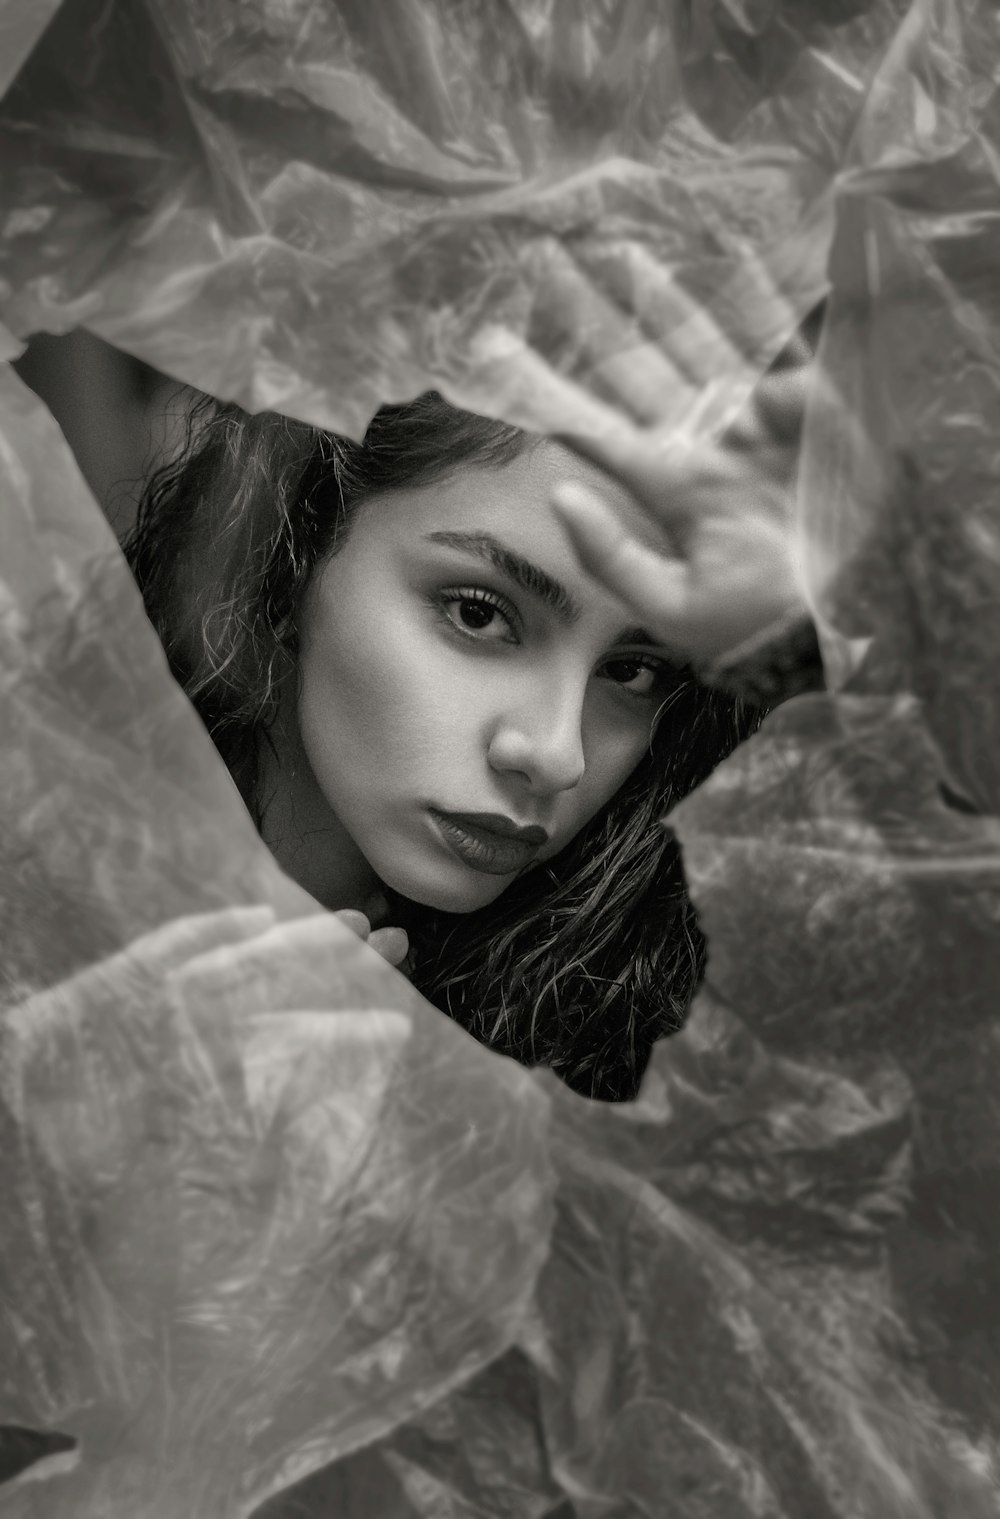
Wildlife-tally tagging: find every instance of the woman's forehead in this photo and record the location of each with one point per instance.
(484, 494)
(501, 517)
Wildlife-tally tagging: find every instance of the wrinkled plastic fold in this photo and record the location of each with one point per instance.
(320, 208)
(280, 1239)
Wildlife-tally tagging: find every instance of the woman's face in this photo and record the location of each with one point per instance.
(455, 662)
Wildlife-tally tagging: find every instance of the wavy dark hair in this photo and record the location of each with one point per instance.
(586, 960)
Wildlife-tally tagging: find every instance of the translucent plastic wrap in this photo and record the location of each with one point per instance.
(318, 208)
(287, 1240)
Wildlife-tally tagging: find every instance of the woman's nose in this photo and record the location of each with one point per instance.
(542, 741)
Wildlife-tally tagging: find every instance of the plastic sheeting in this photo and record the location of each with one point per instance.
(281, 1234)
(319, 208)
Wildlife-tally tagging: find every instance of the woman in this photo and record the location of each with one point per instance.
(439, 718)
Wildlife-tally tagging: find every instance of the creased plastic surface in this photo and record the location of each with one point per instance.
(294, 1240)
(230, 1240)
(319, 208)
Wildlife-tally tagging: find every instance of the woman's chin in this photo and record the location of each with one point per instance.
(455, 891)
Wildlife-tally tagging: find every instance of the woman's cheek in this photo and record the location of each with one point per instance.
(424, 689)
(373, 666)
(615, 757)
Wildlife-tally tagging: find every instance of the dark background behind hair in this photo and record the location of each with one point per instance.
(119, 416)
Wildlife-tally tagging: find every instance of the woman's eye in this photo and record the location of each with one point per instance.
(640, 677)
(480, 615)
(476, 614)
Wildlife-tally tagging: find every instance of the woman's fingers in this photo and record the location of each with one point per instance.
(298, 943)
(643, 384)
(290, 962)
(602, 340)
(689, 338)
(727, 571)
(670, 479)
(615, 451)
(182, 939)
(524, 388)
(391, 943)
(171, 945)
(654, 585)
(132, 976)
(640, 341)
(643, 343)
(356, 921)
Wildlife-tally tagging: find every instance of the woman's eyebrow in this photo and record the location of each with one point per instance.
(529, 576)
(506, 561)
(638, 635)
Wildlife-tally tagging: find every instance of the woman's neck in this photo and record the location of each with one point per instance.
(301, 829)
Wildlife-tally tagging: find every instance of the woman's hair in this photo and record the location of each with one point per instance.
(585, 960)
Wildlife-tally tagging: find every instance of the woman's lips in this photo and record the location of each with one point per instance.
(483, 849)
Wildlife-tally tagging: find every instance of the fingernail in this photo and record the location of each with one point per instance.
(391, 943)
(354, 920)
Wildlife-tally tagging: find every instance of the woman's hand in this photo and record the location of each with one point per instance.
(709, 559)
(305, 964)
(94, 1031)
(133, 977)
(389, 942)
(232, 951)
(719, 566)
(301, 964)
(705, 553)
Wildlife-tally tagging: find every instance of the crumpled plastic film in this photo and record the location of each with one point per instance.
(230, 1248)
(278, 1238)
(905, 545)
(20, 28)
(320, 208)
